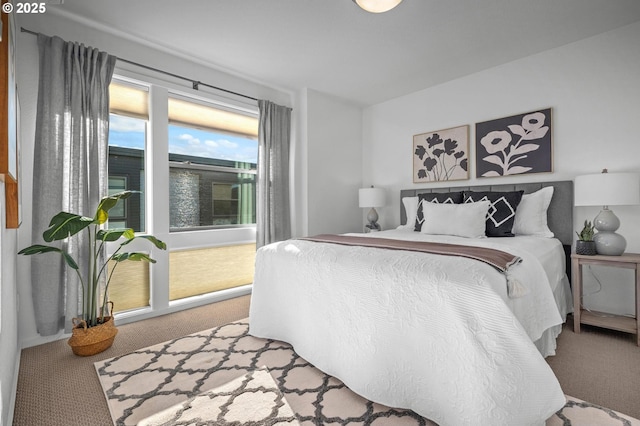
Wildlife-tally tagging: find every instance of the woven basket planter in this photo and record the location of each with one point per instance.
(87, 341)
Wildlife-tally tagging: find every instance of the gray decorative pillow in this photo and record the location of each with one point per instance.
(502, 212)
(440, 198)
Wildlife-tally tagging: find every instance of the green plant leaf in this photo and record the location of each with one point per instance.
(39, 249)
(135, 256)
(158, 243)
(108, 202)
(110, 235)
(64, 225)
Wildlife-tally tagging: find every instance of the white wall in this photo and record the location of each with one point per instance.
(593, 87)
(9, 345)
(124, 47)
(298, 177)
(334, 167)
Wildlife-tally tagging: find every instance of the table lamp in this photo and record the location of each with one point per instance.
(608, 189)
(371, 197)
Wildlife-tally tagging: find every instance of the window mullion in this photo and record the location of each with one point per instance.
(157, 200)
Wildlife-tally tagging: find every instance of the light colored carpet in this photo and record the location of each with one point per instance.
(601, 366)
(210, 377)
(56, 388)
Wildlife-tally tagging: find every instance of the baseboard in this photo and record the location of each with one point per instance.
(146, 313)
(41, 340)
(14, 389)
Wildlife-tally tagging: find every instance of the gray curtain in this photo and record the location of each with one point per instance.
(70, 165)
(273, 221)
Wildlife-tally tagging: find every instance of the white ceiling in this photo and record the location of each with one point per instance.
(334, 47)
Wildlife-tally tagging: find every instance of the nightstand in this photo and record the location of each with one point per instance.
(613, 322)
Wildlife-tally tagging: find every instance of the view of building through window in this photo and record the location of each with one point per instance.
(212, 158)
(212, 178)
(127, 136)
(211, 181)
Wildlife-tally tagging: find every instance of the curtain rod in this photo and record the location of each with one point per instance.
(194, 83)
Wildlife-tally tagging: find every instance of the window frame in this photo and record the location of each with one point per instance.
(156, 186)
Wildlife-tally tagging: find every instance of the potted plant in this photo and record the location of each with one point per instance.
(585, 244)
(94, 330)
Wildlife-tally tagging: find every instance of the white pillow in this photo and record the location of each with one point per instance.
(531, 214)
(463, 220)
(411, 208)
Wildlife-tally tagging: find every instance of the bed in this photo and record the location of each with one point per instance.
(446, 336)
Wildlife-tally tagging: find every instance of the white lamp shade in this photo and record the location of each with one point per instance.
(377, 6)
(607, 189)
(371, 197)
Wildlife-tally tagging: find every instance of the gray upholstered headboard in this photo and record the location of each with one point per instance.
(559, 215)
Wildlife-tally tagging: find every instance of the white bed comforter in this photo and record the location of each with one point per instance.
(435, 334)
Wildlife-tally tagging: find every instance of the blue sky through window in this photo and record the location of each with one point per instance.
(129, 132)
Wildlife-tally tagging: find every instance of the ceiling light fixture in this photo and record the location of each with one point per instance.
(377, 6)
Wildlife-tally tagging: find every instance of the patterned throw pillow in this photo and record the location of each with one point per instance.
(502, 212)
(440, 198)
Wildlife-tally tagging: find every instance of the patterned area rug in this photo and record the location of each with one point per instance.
(249, 399)
(224, 376)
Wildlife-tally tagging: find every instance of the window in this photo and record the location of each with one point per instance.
(194, 161)
(117, 214)
(130, 284)
(227, 204)
(212, 157)
(204, 196)
(213, 153)
(127, 142)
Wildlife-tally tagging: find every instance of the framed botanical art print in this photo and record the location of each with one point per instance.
(515, 145)
(442, 155)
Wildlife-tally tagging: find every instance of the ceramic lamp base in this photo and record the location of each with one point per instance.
(372, 217)
(608, 242)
